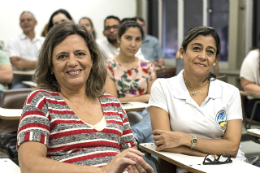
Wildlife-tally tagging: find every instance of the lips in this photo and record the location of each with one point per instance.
(201, 65)
(131, 50)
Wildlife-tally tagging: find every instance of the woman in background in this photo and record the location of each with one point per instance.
(130, 78)
(88, 24)
(250, 80)
(58, 17)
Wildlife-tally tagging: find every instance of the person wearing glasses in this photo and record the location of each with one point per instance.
(23, 49)
(68, 123)
(109, 45)
(194, 113)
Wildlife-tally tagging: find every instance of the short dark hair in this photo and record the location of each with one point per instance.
(140, 18)
(46, 80)
(129, 24)
(66, 13)
(111, 17)
(91, 23)
(205, 31)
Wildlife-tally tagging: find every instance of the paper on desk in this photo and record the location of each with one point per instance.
(10, 112)
(256, 131)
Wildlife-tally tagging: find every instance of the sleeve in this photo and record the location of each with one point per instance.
(127, 139)
(12, 48)
(35, 122)
(157, 97)
(4, 59)
(151, 72)
(234, 110)
(159, 50)
(110, 68)
(247, 71)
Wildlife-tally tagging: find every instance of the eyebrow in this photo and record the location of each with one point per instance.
(79, 50)
(199, 44)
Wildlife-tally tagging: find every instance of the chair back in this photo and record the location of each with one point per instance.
(15, 98)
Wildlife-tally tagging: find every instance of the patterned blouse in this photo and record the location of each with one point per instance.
(47, 119)
(131, 82)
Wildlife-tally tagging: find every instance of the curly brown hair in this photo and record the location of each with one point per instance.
(98, 73)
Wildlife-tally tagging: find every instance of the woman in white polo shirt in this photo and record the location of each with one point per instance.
(194, 113)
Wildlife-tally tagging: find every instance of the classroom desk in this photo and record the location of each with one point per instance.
(26, 73)
(8, 166)
(194, 164)
(135, 106)
(10, 114)
(255, 133)
(29, 83)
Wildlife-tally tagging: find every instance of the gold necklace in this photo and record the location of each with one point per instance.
(193, 92)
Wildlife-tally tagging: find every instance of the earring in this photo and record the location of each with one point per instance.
(181, 57)
(214, 64)
(51, 73)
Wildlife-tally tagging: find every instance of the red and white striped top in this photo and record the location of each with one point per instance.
(47, 119)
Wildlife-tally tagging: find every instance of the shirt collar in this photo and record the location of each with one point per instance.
(23, 37)
(180, 91)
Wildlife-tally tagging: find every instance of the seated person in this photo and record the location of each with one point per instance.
(23, 49)
(6, 72)
(250, 80)
(58, 17)
(109, 45)
(88, 24)
(193, 113)
(69, 124)
(130, 78)
(151, 47)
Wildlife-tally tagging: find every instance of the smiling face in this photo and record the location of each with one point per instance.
(200, 56)
(27, 22)
(58, 18)
(72, 63)
(130, 41)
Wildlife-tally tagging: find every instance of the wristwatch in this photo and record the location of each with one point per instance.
(193, 142)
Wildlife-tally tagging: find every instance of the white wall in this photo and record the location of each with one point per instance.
(97, 10)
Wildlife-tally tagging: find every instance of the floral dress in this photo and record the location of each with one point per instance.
(131, 82)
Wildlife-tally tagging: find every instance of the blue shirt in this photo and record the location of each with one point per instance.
(151, 48)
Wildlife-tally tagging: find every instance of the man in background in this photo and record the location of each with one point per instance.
(151, 48)
(23, 49)
(109, 45)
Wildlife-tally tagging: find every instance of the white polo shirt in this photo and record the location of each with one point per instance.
(23, 47)
(207, 121)
(250, 68)
(111, 51)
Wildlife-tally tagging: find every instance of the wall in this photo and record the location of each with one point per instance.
(97, 10)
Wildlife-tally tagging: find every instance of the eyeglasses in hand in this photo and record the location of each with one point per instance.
(224, 158)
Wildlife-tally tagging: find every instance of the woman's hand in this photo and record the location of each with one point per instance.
(167, 139)
(124, 159)
(141, 167)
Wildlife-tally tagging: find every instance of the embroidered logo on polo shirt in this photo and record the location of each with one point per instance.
(221, 119)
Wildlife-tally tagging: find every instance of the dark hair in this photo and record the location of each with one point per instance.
(111, 17)
(127, 19)
(46, 80)
(91, 23)
(205, 31)
(66, 13)
(140, 18)
(129, 24)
